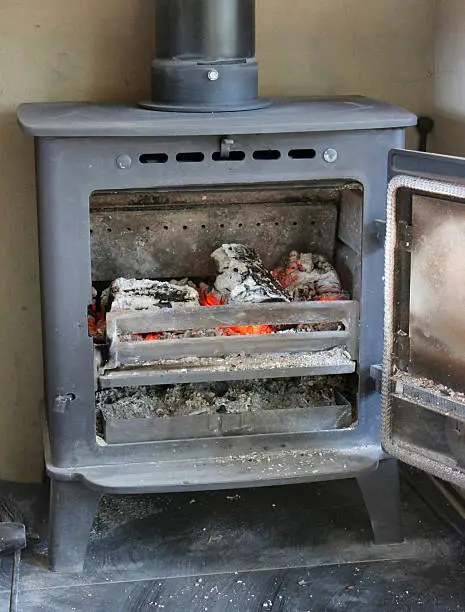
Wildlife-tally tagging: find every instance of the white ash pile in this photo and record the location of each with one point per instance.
(218, 398)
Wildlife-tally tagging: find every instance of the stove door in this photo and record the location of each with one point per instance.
(423, 386)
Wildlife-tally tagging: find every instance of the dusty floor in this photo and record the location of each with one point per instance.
(287, 549)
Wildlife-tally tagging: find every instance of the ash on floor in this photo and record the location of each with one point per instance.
(219, 397)
(301, 548)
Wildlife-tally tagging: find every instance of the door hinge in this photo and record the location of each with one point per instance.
(376, 373)
(61, 403)
(380, 230)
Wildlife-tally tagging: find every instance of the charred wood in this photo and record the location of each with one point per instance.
(309, 276)
(242, 277)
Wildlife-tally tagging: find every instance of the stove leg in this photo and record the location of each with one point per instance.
(72, 511)
(381, 494)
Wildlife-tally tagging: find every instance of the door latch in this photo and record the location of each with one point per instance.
(226, 143)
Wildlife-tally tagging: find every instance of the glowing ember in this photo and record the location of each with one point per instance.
(97, 326)
(96, 320)
(247, 330)
(309, 277)
(210, 298)
(303, 276)
(148, 336)
(288, 274)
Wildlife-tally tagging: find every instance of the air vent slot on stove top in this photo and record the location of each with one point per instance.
(232, 156)
(190, 157)
(302, 153)
(267, 155)
(153, 158)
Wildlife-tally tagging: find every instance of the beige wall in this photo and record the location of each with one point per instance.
(62, 49)
(449, 82)
(381, 48)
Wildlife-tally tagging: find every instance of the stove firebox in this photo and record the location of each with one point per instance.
(163, 359)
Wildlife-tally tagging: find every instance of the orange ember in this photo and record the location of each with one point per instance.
(150, 336)
(97, 325)
(287, 275)
(247, 330)
(211, 299)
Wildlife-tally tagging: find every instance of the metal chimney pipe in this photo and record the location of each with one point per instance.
(205, 56)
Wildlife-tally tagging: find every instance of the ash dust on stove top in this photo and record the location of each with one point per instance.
(218, 398)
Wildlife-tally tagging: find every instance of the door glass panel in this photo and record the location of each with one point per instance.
(437, 291)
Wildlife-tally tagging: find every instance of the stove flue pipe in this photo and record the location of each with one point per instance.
(205, 56)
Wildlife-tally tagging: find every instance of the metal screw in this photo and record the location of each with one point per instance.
(213, 75)
(124, 162)
(330, 156)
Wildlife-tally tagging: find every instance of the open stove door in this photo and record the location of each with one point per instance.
(423, 381)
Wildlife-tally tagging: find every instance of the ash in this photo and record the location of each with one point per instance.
(336, 357)
(430, 385)
(219, 397)
(115, 511)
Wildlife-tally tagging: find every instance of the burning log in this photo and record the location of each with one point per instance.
(308, 276)
(210, 298)
(131, 294)
(242, 277)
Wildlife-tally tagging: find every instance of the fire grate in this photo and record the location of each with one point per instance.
(186, 352)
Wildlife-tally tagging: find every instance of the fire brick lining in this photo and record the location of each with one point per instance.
(172, 234)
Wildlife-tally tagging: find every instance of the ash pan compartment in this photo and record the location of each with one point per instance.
(179, 412)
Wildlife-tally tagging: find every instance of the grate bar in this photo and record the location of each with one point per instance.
(139, 353)
(233, 369)
(295, 313)
(124, 352)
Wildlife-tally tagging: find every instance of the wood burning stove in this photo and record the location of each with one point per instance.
(127, 192)
(93, 175)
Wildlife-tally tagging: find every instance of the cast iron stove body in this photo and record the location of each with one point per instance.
(86, 153)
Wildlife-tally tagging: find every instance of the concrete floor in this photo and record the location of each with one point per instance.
(293, 549)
